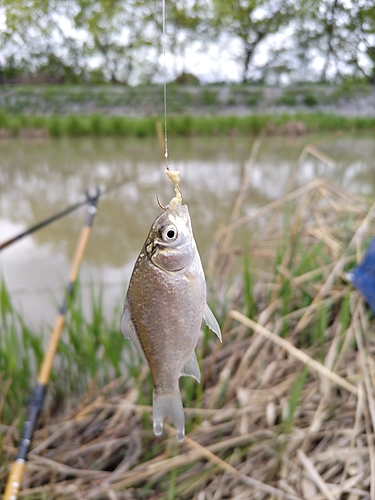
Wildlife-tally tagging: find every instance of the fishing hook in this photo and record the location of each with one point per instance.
(159, 203)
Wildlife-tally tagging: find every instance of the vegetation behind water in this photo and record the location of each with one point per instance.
(39, 127)
(59, 110)
(349, 98)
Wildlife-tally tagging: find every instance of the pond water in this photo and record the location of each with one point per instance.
(40, 178)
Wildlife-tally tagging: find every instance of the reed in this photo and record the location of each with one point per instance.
(91, 349)
(29, 126)
(20, 353)
(284, 411)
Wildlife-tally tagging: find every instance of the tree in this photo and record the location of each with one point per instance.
(252, 22)
(360, 40)
(116, 37)
(338, 33)
(116, 33)
(35, 35)
(121, 40)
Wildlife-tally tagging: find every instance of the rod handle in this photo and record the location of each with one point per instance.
(45, 370)
(14, 480)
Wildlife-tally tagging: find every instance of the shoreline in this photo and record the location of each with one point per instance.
(41, 111)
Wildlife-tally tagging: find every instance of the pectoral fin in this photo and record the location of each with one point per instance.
(129, 331)
(211, 321)
(191, 368)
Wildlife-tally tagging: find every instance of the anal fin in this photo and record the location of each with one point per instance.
(191, 368)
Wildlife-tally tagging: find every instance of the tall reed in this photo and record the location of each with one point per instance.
(91, 349)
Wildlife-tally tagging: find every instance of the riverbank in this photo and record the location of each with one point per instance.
(58, 110)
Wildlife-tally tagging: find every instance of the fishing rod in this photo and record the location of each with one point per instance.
(37, 398)
(56, 216)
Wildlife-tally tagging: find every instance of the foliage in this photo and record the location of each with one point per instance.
(288, 98)
(341, 33)
(252, 22)
(310, 99)
(98, 41)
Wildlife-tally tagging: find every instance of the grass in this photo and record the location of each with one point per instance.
(90, 350)
(20, 351)
(294, 400)
(286, 407)
(181, 125)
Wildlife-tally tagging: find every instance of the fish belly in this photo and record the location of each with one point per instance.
(166, 310)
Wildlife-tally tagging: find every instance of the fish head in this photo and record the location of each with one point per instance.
(170, 244)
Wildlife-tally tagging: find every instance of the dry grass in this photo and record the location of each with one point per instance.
(288, 407)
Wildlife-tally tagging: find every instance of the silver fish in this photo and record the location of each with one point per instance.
(164, 308)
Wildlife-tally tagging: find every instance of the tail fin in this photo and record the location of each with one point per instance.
(169, 405)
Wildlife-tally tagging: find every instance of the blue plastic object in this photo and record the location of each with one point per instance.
(362, 277)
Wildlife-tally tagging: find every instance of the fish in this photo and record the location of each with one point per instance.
(164, 308)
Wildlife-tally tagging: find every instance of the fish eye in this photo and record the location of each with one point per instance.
(169, 233)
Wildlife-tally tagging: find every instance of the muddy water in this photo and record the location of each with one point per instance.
(40, 178)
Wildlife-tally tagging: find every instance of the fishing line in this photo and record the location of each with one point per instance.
(165, 88)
